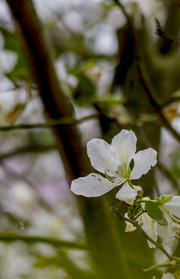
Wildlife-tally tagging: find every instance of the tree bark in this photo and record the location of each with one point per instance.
(99, 227)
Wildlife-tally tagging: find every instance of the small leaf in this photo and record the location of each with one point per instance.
(11, 43)
(15, 113)
(85, 90)
(164, 198)
(155, 213)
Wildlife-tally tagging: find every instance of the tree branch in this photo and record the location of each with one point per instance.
(135, 224)
(46, 240)
(49, 124)
(165, 34)
(106, 250)
(34, 148)
(170, 101)
(159, 246)
(144, 78)
(40, 56)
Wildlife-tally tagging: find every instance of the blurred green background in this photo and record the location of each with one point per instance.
(97, 65)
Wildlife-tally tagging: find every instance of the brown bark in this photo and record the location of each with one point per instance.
(99, 228)
(56, 104)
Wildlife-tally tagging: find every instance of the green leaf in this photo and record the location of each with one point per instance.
(11, 43)
(155, 213)
(85, 91)
(164, 198)
(85, 88)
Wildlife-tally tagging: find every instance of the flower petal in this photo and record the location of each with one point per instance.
(129, 227)
(168, 276)
(173, 206)
(124, 144)
(165, 232)
(126, 194)
(143, 161)
(149, 226)
(92, 185)
(102, 157)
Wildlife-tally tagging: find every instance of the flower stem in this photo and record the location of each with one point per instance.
(169, 264)
(159, 246)
(135, 224)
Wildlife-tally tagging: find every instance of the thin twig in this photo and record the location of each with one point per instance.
(16, 87)
(170, 101)
(135, 224)
(47, 240)
(144, 78)
(36, 148)
(159, 246)
(165, 34)
(49, 124)
(169, 264)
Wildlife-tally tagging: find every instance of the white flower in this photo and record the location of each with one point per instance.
(172, 207)
(168, 276)
(127, 193)
(171, 211)
(113, 161)
(129, 227)
(147, 224)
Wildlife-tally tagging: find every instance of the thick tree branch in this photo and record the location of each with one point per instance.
(105, 249)
(55, 102)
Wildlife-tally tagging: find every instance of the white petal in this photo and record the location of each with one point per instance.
(173, 206)
(150, 244)
(164, 233)
(138, 188)
(102, 156)
(168, 276)
(92, 185)
(129, 227)
(124, 144)
(149, 226)
(126, 194)
(143, 161)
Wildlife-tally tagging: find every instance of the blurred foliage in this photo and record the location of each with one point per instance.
(20, 72)
(175, 164)
(96, 78)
